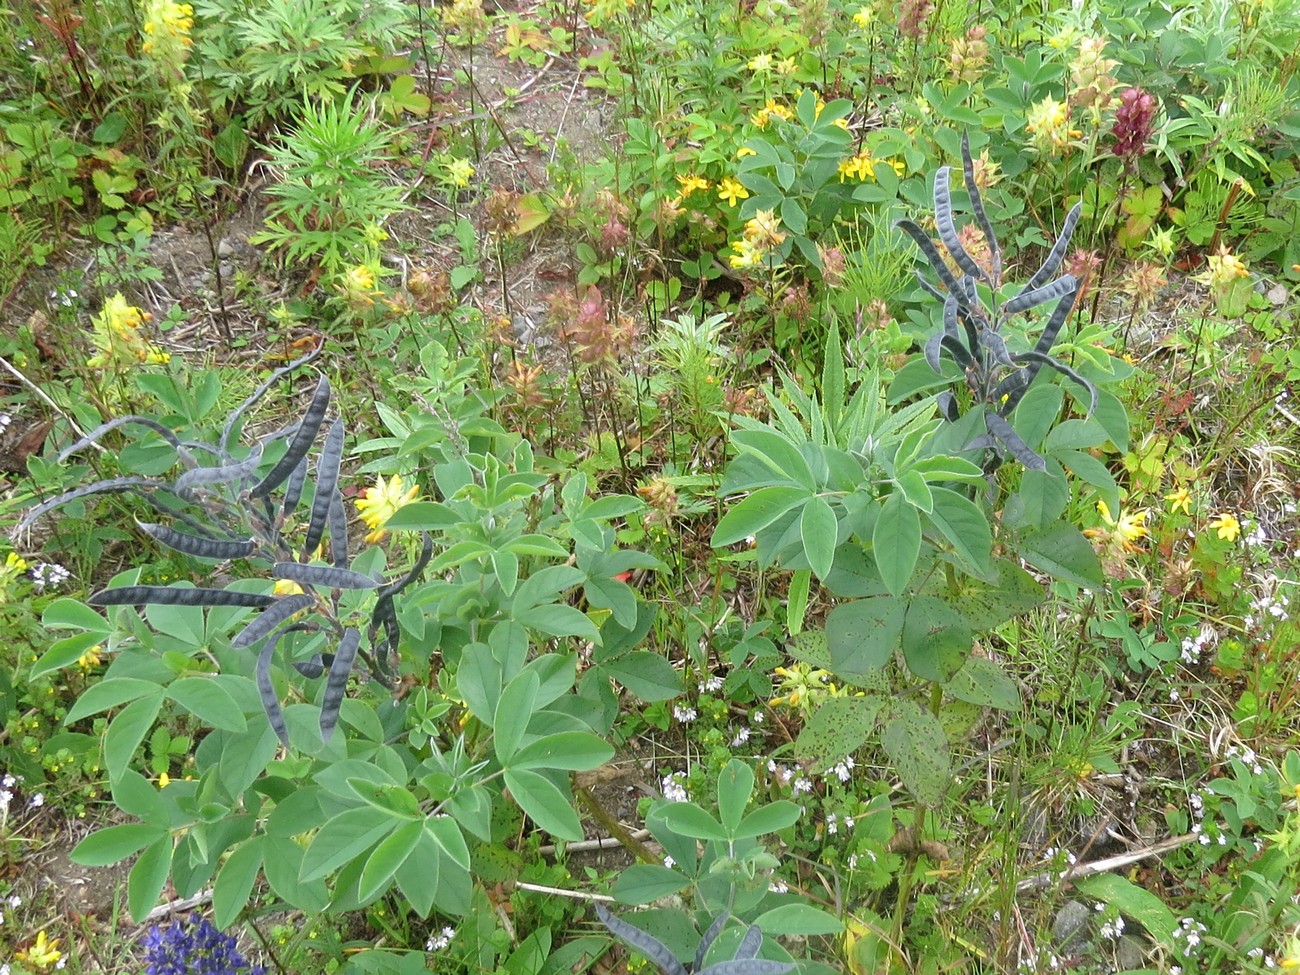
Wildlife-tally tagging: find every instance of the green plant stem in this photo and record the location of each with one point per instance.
(613, 826)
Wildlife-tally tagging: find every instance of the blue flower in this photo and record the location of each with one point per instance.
(194, 947)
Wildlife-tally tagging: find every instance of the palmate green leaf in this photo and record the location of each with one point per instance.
(343, 839)
(545, 804)
(644, 883)
(735, 786)
(915, 742)
(73, 614)
(819, 527)
(559, 620)
(777, 452)
(417, 877)
(576, 751)
(896, 542)
(936, 639)
(838, 728)
(985, 683)
(688, 819)
(387, 858)
(450, 840)
(147, 877)
(208, 701)
(115, 843)
(234, 886)
(127, 730)
(798, 919)
(137, 796)
(755, 512)
(768, 819)
(646, 674)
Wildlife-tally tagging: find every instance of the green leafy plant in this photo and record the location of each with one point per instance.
(331, 203)
(743, 962)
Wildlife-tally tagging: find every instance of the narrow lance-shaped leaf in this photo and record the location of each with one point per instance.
(338, 526)
(200, 477)
(175, 596)
(327, 476)
(1020, 450)
(266, 690)
(710, 936)
(111, 485)
(322, 575)
(271, 617)
(977, 206)
(1057, 253)
(650, 946)
(228, 429)
(337, 682)
(948, 229)
(302, 440)
(932, 255)
(163, 431)
(197, 546)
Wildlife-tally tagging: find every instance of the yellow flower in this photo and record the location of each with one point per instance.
(1130, 526)
(286, 587)
(773, 108)
(42, 953)
(731, 192)
(748, 254)
(91, 658)
(861, 166)
(802, 686)
(744, 151)
(164, 780)
(458, 173)
(864, 16)
(786, 67)
(1048, 122)
(1225, 267)
(116, 334)
(357, 286)
(764, 229)
(381, 502)
(167, 29)
(690, 183)
(760, 63)
(1180, 500)
(1226, 526)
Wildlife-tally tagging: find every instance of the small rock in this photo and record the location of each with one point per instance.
(225, 248)
(1071, 927)
(1277, 295)
(1129, 953)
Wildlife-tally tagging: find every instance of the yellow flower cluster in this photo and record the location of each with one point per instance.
(861, 166)
(10, 569)
(762, 233)
(118, 338)
(381, 502)
(357, 287)
(167, 40)
(42, 954)
(1225, 268)
(690, 183)
(773, 109)
(730, 191)
(1048, 123)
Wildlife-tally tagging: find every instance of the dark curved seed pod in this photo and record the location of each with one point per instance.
(266, 690)
(338, 528)
(293, 490)
(997, 347)
(749, 966)
(710, 936)
(327, 477)
(1039, 296)
(426, 553)
(932, 255)
(977, 206)
(275, 614)
(228, 428)
(1057, 253)
(311, 669)
(928, 288)
(1020, 450)
(336, 684)
(1064, 370)
(947, 404)
(654, 950)
(302, 440)
(201, 548)
(175, 596)
(1055, 321)
(108, 486)
(225, 474)
(144, 421)
(322, 575)
(948, 228)
(750, 943)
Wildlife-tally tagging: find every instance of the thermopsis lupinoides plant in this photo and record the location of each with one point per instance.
(996, 377)
(230, 513)
(745, 961)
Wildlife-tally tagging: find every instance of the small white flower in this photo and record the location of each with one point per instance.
(802, 785)
(712, 685)
(672, 787)
(8, 781)
(778, 887)
(684, 714)
(740, 737)
(832, 826)
(37, 800)
(669, 861)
